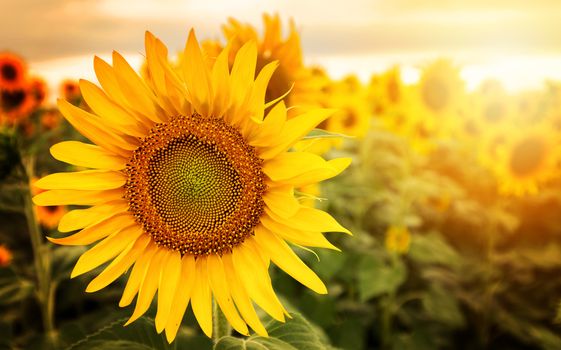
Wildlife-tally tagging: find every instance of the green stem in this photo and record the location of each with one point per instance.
(41, 257)
(220, 325)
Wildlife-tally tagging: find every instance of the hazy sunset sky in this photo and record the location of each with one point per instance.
(515, 41)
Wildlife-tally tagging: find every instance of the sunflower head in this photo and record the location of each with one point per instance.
(13, 72)
(69, 90)
(16, 105)
(272, 46)
(38, 88)
(398, 239)
(527, 158)
(192, 185)
(441, 88)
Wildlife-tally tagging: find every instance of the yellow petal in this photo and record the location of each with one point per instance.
(92, 127)
(241, 81)
(281, 201)
(80, 218)
(157, 73)
(135, 91)
(119, 265)
(169, 279)
(257, 97)
(82, 180)
(106, 249)
(310, 219)
(256, 280)
(301, 168)
(221, 83)
(286, 259)
(106, 77)
(112, 114)
(182, 296)
(148, 285)
(74, 197)
(304, 238)
(197, 76)
(97, 231)
(241, 298)
(271, 127)
(137, 275)
(201, 297)
(86, 155)
(221, 291)
(294, 129)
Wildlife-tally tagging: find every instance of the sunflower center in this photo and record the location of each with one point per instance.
(435, 94)
(351, 119)
(195, 186)
(11, 100)
(527, 156)
(9, 72)
(394, 93)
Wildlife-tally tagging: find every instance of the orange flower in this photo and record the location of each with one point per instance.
(69, 90)
(5, 256)
(15, 105)
(13, 71)
(38, 88)
(50, 119)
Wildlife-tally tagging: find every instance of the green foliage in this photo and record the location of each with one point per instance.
(295, 334)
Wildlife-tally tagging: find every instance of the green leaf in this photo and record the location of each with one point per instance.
(442, 306)
(13, 288)
(376, 276)
(296, 334)
(63, 261)
(139, 335)
(324, 134)
(432, 249)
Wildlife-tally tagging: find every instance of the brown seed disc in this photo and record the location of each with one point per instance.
(195, 185)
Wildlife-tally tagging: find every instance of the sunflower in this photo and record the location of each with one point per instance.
(440, 87)
(15, 105)
(13, 71)
(5, 256)
(386, 92)
(291, 72)
(69, 90)
(526, 158)
(191, 186)
(38, 89)
(352, 117)
(50, 119)
(398, 239)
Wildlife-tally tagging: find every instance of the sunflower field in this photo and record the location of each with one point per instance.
(231, 196)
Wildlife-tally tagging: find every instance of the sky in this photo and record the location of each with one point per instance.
(515, 41)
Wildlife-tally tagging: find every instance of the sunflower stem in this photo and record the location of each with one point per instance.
(41, 257)
(220, 325)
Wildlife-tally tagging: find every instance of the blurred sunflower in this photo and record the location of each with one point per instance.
(273, 47)
(386, 92)
(526, 158)
(398, 239)
(5, 256)
(50, 119)
(191, 185)
(38, 88)
(15, 105)
(440, 95)
(13, 72)
(69, 90)
(352, 117)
